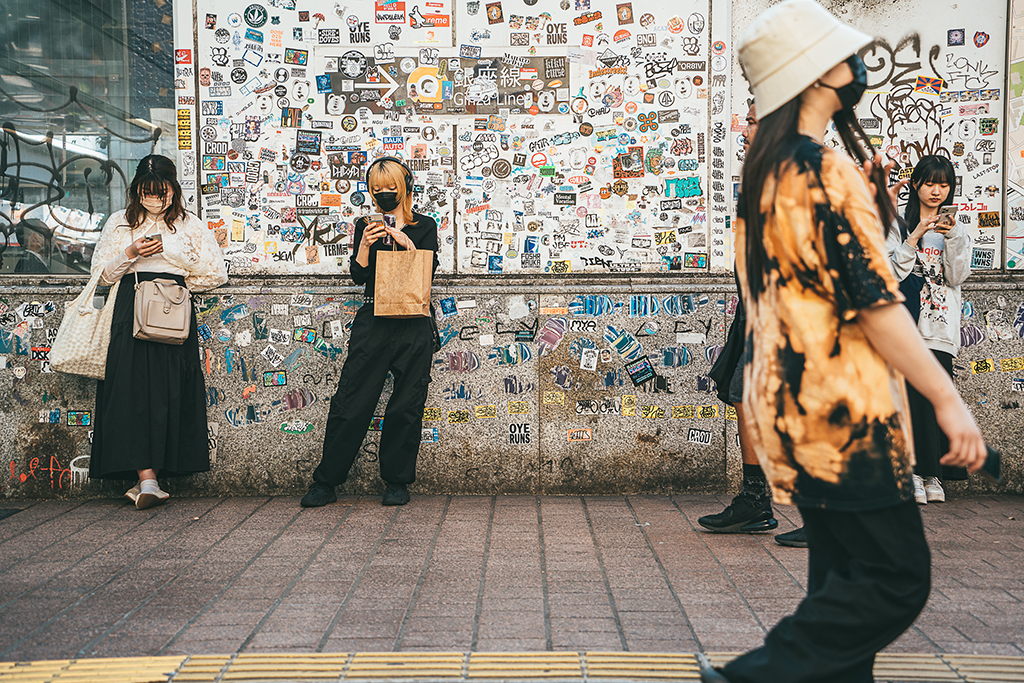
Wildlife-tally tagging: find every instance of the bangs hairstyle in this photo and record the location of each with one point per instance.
(930, 169)
(154, 176)
(385, 174)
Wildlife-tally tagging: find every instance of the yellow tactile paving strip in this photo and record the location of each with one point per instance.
(461, 666)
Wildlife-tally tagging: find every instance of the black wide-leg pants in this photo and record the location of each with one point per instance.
(869, 577)
(403, 346)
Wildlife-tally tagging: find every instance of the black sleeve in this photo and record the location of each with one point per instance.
(429, 240)
(359, 274)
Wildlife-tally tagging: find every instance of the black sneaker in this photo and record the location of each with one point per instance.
(318, 495)
(743, 515)
(797, 538)
(395, 494)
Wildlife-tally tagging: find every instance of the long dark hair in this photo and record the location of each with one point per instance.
(774, 146)
(930, 169)
(153, 176)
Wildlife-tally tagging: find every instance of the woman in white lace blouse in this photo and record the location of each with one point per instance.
(150, 415)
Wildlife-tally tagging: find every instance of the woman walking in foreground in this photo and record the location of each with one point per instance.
(826, 410)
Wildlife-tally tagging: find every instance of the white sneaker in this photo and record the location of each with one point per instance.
(919, 493)
(132, 494)
(150, 495)
(933, 490)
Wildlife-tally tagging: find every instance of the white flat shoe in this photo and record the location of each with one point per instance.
(133, 493)
(147, 500)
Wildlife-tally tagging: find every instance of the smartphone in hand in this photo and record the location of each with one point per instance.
(947, 218)
(389, 222)
(154, 238)
(992, 469)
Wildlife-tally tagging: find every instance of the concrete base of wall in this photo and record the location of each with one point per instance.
(510, 409)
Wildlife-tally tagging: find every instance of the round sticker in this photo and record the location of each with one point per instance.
(342, 186)
(666, 99)
(695, 23)
(624, 138)
(208, 133)
(646, 20)
(282, 102)
(676, 24)
(512, 253)
(579, 105)
(357, 199)
(255, 15)
(349, 124)
(281, 75)
(428, 133)
(586, 129)
(352, 21)
(631, 107)
(239, 75)
(501, 168)
(300, 162)
(563, 108)
(234, 20)
(718, 47)
(408, 65)
(629, 124)
(581, 211)
(222, 35)
(698, 81)
(352, 64)
(719, 63)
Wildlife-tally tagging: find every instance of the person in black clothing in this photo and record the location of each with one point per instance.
(402, 346)
(751, 510)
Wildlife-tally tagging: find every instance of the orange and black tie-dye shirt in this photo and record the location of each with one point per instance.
(828, 415)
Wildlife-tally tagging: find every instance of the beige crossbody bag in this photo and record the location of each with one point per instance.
(163, 311)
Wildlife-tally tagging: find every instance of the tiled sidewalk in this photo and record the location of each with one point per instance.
(466, 574)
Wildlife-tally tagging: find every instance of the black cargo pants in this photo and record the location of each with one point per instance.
(403, 346)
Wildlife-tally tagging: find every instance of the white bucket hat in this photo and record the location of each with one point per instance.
(789, 47)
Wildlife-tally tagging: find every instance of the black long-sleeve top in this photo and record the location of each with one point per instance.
(423, 234)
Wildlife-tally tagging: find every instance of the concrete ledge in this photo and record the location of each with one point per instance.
(505, 414)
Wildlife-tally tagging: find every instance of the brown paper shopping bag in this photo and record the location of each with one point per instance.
(401, 288)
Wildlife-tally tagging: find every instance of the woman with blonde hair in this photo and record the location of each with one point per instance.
(825, 404)
(402, 346)
(150, 416)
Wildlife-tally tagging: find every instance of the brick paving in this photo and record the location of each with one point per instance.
(98, 578)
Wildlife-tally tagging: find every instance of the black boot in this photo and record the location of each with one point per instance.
(750, 511)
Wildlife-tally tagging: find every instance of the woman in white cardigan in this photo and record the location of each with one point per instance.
(150, 415)
(931, 256)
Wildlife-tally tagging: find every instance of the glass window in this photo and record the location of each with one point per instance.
(86, 89)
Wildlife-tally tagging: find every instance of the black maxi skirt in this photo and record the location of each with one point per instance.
(151, 406)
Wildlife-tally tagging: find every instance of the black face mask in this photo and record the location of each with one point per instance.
(850, 94)
(386, 201)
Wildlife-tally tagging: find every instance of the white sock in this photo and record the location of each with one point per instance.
(149, 486)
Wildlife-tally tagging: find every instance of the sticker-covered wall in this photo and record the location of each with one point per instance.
(592, 141)
(936, 80)
(1015, 138)
(557, 137)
